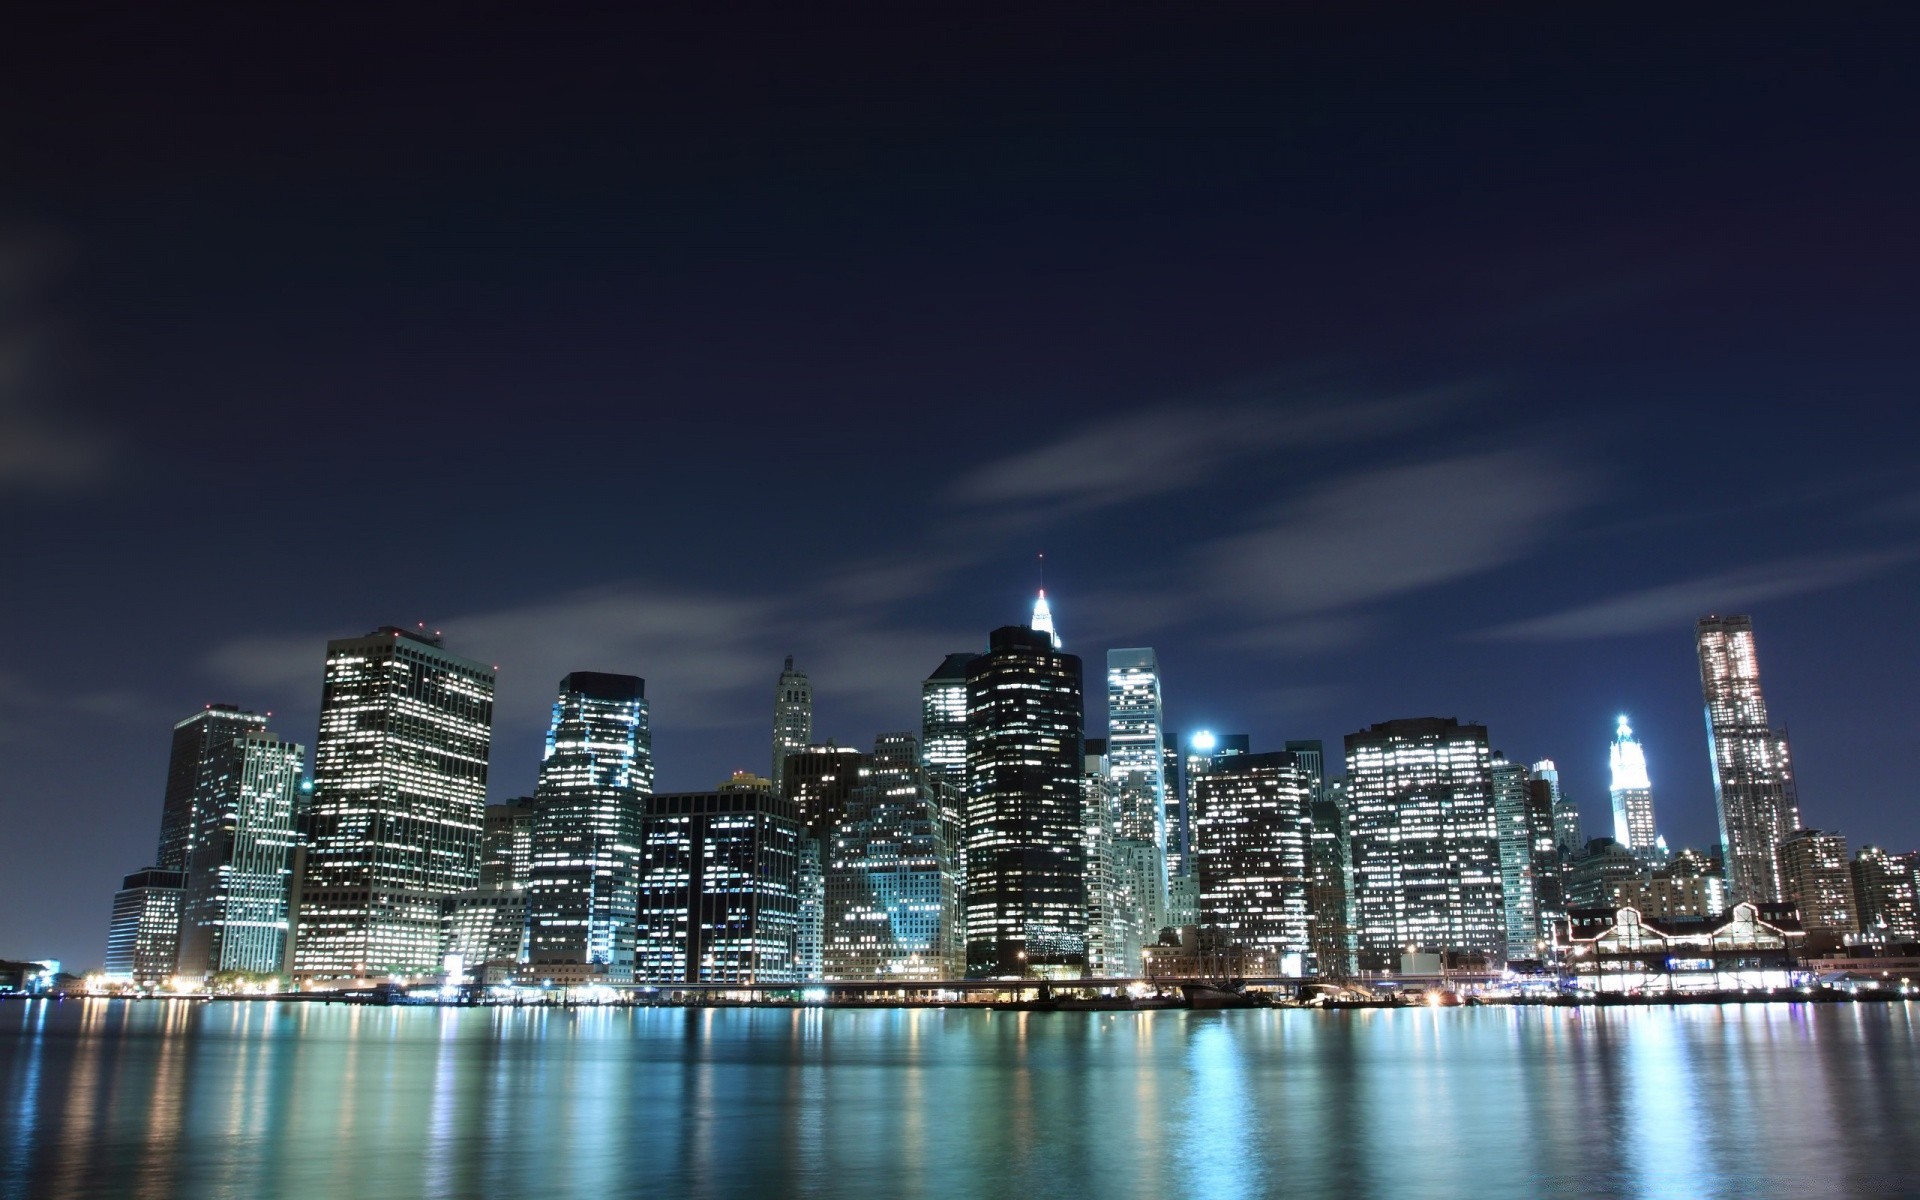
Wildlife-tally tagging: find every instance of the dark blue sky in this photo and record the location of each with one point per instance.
(1366, 367)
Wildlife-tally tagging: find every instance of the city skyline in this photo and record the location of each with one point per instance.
(1363, 372)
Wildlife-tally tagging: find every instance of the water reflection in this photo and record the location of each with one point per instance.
(157, 1099)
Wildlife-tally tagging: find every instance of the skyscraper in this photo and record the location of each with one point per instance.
(189, 771)
(1566, 814)
(1330, 897)
(1026, 893)
(1512, 784)
(717, 902)
(892, 875)
(1136, 764)
(1114, 934)
(487, 926)
(234, 908)
(1884, 895)
(1043, 619)
(583, 877)
(143, 939)
(399, 791)
(1632, 792)
(1252, 829)
(1425, 840)
(943, 721)
(1816, 879)
(1752, 771)
(1197, 756)
(792, 720)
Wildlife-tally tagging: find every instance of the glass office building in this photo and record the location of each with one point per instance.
(1752, 769)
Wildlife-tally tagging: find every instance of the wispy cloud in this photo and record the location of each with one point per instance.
(1673, 605)
(1366, 537)
(1169, 449)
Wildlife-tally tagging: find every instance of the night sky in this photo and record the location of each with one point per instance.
(1365, 367)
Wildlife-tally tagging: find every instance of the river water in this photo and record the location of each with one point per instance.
(175, 1098)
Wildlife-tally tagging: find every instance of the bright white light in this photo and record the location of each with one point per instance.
(814, 995)
(1629, 760)
(1203, 741)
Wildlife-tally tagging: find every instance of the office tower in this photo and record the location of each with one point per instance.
(1329, 900)
(1566, 814)
(1197, 756)
(143, 940)
(792, 719)
(1884, 895)
(1252, 827)
(820, 781)
(506, 843)
(1512, 788)
(234, 908)
(943, 721)
(892, 875)
(1816, 879)
(1599, 871)
(1425, 841)
(1752, 771)
(583, 878)
(1312, 756)
(1136, 765)
(1026, 888)
(717, 902)
(1114, 924)
(399, 793)
(1548, 866)
(1631, 791)
(189, 770)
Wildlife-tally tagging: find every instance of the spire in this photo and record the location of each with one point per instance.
(1042, 615)
(1043, 618)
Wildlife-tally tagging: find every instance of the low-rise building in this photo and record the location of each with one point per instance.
(1621, 951)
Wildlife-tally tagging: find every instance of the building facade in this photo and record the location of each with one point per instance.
(1623, 952)
(717, 888)
(1512, 789)
(792, 719)
(1816, 878)
(943, 722)
(190, 771)
(1252, 833)
(1331, 898)
(143, 938)
(1136, 765)
(399, 794)
(1885, 897)
(1631, 792)
(1425, 841)
(892, 875)
(234, 907)
(1752, 769)
(1026, 885)
(583, 873)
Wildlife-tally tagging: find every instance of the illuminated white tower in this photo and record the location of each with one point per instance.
(1043, 619)
(792, 720)
(1632, 793)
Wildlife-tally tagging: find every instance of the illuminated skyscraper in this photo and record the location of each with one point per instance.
(189, 775)
(1136, 764)
(717, 901)
(234, 910)
(1512, 783)
(892, 875)
(1425, 840)
(1566, 814)
(943, 721)
(399, 792)
(143, 940)
(1201, 750)
(583, 876)
(1752, 770)
(1632, 792)
(1252, 829)
(1329, 899)
(1884, 895)
(792, 720)
(1026, 888)
(1815, 877)
(820, 782)
(487, 927)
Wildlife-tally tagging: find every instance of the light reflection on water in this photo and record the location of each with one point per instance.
(159, 1099)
